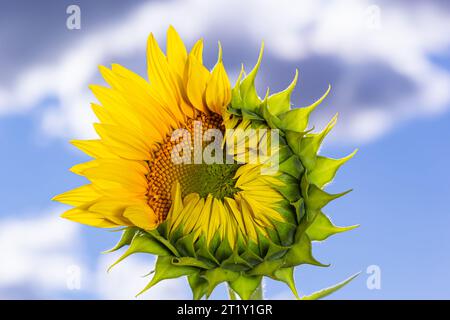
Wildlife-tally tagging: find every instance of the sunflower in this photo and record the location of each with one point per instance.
(221, 185)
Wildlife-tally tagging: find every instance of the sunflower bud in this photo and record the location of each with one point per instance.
(219, 184)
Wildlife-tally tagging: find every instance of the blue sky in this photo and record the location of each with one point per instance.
(390, 79)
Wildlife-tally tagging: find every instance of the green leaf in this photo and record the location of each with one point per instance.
(125, 239)
(280, 102)
(142, 243)
(326, 168)
(286, 275)
(250, 98)
(322, 228)
(245, 286)
(327, 291)
(317, 198)
(310, 144)
(164, 269)
(301, 253)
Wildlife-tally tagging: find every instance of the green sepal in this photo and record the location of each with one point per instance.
(192, 262)
(272, 120)
(233, 111)
(322, 228)
(142, 243)
(317, 198)
(294, 140)
(126, 238)
(297, 119)
(250, 115)
(310, 145)
(301, 253)
(245, 286)
(299, 209)
(165, 269)
(265, 268)
(286, 275)
(198, 284)
(284, 152)
(235, 263)
(203, 251)
(251, 257)
(280, 102)
(292, 166)
(155, 234)
(327, 291)
(275, 251)
(217, 276)
(247, 89)
(263, 243)
(223, 251)
(326, 168)
(289, 188)
(251, 246)
(236, 99)
(185, 245)
(286, 232)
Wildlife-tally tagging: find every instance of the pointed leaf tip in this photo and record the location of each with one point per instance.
(249, 95)
(327, 291)
(325, 169)
(322, 228)
(280, 102)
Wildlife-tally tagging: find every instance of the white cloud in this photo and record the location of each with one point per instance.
(41, 257)
(37, 253)
(126, 279)
(355, 32)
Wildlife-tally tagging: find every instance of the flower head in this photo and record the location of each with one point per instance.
(221, 185)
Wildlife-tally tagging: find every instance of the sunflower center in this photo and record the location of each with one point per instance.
(216, 179)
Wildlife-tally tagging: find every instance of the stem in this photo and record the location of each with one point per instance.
(258, 294)
(231, 293)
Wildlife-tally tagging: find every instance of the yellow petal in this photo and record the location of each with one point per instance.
(142, 216)
(94, 148)
(125, 144)
(77, 196)
(176, 51)
(196, 79)
(88, 218)
(162, 78)
(197, 51)
(218, 89)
